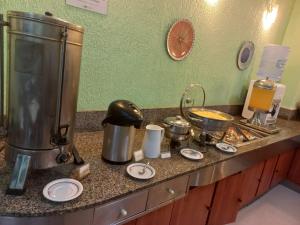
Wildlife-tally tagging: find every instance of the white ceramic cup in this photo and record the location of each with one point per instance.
(152, 140)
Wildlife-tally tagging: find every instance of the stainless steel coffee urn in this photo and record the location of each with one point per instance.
(44, 55)
(122, 118)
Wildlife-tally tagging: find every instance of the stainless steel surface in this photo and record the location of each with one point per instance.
(177, 125)
(47, 18)
(269, 128)
(113, 213)
(40, 159)
(2, 23)
(84, 217)
(237, 135)
(43, 70)
(208, 124)
(177, 137)
(176, 128)
(118, 143)
(202, 177)
(167, 191)
(223, 169)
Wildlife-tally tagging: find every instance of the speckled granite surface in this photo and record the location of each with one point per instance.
(107, 182)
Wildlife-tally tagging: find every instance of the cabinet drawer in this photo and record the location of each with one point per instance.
(167, 191)
(119, 210)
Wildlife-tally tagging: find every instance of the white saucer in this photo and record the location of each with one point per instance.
(134, 169)
(62, 190)
(191, 154)
(226, 148)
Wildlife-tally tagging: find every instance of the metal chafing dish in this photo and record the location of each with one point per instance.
(177, 128)
(209, 124)
(194, 112)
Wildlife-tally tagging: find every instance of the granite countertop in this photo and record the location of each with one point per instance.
(108, 182)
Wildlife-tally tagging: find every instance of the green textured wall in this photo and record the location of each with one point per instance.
(291, 76)
(125, 56)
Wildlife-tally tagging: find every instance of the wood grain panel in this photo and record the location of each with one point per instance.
(161, 216)
(194, 208)
(267, 175)
(282, 167)
(226, 203)
(294, 173)
(250, 183)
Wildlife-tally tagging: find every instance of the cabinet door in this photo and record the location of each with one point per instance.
(267, 175)
(282, 167)
(193, 209)
(250, 183)
(160, 216)
(294, 174)
(226, 202)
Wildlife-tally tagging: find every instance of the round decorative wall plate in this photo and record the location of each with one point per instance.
(180, 39)
(245, 55)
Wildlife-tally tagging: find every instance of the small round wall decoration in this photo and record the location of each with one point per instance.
(245, 55)
(180, 39)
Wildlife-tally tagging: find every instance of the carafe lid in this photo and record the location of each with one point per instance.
(123, 113)
(265, 84)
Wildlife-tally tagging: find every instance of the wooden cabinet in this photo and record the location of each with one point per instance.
(219, 203)
(294, 173)
(193, 209)
(226, 201)
(282, 167)
(161, 216)
(267, 175)
(130, 223)
(250, 182)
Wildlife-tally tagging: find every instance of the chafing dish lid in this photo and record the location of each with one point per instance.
(177, 121)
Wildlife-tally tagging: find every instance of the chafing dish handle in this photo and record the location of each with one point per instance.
(2, 24)
(182, 103)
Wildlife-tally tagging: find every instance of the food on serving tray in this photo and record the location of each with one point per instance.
(209, 114)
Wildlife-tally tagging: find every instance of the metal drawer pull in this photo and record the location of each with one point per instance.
(124, 212)
(171, 191)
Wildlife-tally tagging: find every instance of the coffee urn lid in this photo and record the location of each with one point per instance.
(47, 18)
(123, 113)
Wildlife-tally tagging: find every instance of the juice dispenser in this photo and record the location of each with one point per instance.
(261, 99)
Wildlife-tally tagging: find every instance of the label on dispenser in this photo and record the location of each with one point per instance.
(99, 6)
(165, 155)
(138, 155)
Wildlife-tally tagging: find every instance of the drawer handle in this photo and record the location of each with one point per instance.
(171, 191)
(124, 212)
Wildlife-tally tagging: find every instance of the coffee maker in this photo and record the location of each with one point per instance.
(120, 123)
(43, 68)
